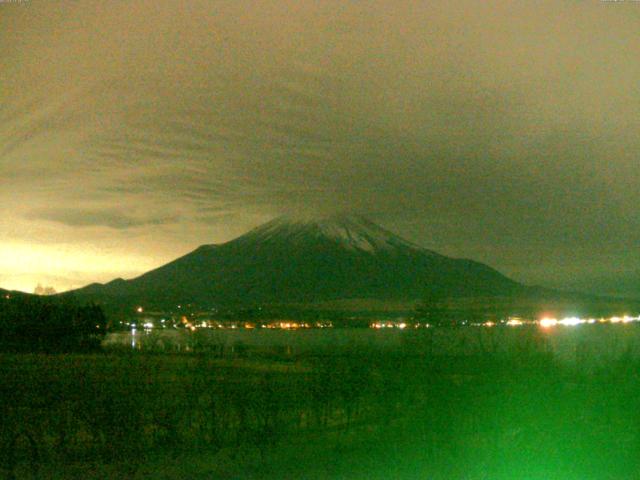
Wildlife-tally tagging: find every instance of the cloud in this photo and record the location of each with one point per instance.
(110, 218)
(499, 131)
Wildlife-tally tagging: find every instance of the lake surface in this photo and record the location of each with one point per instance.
(589, 345)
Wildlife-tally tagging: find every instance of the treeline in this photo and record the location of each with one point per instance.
(32, 323)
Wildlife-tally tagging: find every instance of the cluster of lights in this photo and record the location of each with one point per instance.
(193, 324)
(401, 325)
(548, 322)
(625, 319)
(287, 325)
(388, 324)
(324, 324)
(545, 322)
(188, 325)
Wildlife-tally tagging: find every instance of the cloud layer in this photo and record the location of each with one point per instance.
(108, 217)
(499, 131)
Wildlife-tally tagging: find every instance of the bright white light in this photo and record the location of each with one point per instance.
(514, 322)
(548, 322)
(571, 321)
(148, 325)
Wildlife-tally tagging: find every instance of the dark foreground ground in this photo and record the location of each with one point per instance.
(362, 415)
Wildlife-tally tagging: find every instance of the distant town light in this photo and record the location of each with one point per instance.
(139, 309)
(548, 322)
(571, 321)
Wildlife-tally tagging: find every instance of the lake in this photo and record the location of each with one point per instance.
(587, 345)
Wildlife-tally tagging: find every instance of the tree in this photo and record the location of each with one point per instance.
(34, 324)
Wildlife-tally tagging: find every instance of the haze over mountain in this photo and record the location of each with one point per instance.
(615, 284)
(302, 259)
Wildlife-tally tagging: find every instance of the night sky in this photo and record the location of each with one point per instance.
(507, 132)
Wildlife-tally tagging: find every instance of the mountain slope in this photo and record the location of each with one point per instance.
(293, 260)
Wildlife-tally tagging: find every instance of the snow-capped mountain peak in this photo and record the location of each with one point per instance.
(353, 232)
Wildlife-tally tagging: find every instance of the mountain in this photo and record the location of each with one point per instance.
(305, 260)
(9, 294)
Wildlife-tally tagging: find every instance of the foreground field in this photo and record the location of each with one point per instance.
(391, 415)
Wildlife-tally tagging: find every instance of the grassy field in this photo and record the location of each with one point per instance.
(391, 415)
